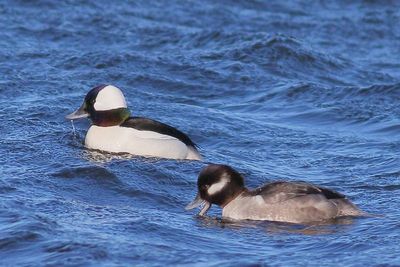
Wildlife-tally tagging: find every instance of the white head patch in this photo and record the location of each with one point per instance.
(215, 188)
(110, 97)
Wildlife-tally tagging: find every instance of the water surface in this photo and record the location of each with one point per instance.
(303, 91)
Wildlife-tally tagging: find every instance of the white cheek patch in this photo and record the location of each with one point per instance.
(110, 97)
(215, 188)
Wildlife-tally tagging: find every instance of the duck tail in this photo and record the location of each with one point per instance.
(346, 208)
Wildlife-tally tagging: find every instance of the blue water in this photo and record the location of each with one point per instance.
(306, 90)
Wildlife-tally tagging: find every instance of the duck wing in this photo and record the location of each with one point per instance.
(281, 191)
(145, 124)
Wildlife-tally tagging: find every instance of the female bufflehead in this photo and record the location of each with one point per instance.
(113, 129)
(295, 202)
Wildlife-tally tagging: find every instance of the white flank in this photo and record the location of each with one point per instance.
(110, 97)
(193, 154)
(215, 188)
(142, 143)
(259, 200)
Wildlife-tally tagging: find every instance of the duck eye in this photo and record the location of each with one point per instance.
(205, 187)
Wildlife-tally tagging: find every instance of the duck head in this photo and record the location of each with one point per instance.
(216, 184)
(105, 105)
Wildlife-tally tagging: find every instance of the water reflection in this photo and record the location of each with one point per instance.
(97, 156)
(270, 227)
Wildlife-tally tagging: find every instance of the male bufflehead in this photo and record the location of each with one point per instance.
(294, 202)
(113, 129)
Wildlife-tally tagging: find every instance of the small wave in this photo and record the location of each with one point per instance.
(100, 60)
(394, 187)
(388, 129)
(4, 189)
(19, 230)
(363, 109)
(316, 93)
(89, 172)
(62, 247)
(279, 54)
(16, 238)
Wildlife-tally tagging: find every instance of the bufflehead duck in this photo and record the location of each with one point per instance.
(114, 130)
(294, 202)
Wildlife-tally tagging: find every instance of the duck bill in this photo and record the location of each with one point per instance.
(78, 114)
(198, 201)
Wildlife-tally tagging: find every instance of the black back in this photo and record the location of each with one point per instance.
(145, 124)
